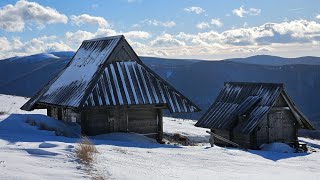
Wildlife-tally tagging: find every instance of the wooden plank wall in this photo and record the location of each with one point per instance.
(244, 140)
(95, 122)
(143, 121)
(262, 132)
(67, 115)
(283, 126)
(222, 133)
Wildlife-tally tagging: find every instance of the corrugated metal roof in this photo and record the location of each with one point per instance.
(70, 87)
(237, 98)
(90, 70)
(130, 83)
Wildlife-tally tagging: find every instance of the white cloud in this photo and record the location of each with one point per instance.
(155, 22)
(318, 16)
(84, 19)
(76, 38)
(241, 12)
(203, 25)
(216, 22)
(194, 9)
(137, 35)
(206, 25)
(297, 31)
(14, 17)
(5, 44)
(36, 45)
(166, 40)
(267, 38)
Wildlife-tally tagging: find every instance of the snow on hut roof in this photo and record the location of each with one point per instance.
(253, 99)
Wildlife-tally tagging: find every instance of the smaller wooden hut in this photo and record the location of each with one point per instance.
(107, 88)
(252, 114)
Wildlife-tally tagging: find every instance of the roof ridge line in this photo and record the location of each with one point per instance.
(104, 38)
(252, 83)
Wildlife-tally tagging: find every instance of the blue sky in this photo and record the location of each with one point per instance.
(203, 29)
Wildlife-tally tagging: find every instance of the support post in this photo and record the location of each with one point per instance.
(160, 124)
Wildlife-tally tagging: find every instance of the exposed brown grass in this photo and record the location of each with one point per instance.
(31, 121)
(98, 178)
(177, 139)
(3, 112)
(85, 151)
(43, 126)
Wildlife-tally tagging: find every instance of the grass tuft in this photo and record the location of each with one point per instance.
(3, 113)
(85, 151)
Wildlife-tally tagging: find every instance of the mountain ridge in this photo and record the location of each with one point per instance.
(199, 80)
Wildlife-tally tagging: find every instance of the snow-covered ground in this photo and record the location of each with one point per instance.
(29, 153)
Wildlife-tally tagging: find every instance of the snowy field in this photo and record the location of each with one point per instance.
(29, 153)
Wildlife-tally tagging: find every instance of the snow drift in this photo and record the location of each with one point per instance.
(277, 147)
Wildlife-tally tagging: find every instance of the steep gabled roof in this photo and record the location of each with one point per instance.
(83, 79)
(252, 99)
(133, 83)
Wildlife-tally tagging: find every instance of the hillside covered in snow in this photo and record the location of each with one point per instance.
(29, 151)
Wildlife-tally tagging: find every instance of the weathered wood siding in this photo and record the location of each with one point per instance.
(281, 126)
(123, 52)
(277, 126)
(95, 122)
(143, 121)
(147, 121)
(262, 132)
(100, 121)
(244, 140)
(64, 114)
(222, 133)
(52, 112)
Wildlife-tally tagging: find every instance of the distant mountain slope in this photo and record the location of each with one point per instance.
(25, 75)
(277, 61)
(199, 80)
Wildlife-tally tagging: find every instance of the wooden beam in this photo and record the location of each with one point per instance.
(223, 139)
(280, 108)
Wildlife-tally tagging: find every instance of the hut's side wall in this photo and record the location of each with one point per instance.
(222, 133)
(67, 115)
(53, 112)
(143, 121)
(244, 140)
(282, 126)
(100, 121)
(262, 132)
(277, 126)
(147, 121)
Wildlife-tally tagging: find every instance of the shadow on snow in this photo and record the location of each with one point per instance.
(275, 156)
(15, 129)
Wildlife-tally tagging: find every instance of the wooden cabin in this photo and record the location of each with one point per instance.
(252, 114)
(107, 88)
